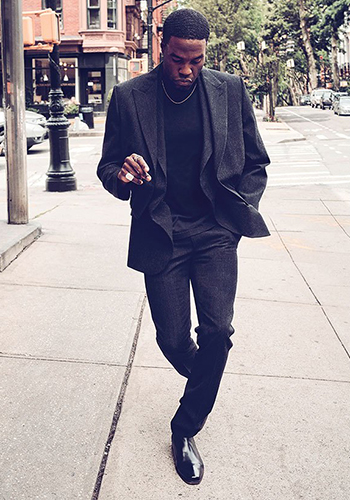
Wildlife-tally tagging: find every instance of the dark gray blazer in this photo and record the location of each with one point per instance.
(233, 174)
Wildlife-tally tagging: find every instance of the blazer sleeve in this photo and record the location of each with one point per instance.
(254, 177)
(112, 159)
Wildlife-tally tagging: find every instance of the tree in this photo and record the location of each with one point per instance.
(326, 29)
(309, 50)
(231, 21)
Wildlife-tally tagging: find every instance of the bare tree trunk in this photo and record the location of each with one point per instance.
(275, 82)
(223, 63)
(304, 25)
(243, 64)
(271, 107)
(292, 91)
(335, 67)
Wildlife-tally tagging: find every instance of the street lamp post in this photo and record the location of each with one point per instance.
(150, 34)
(60, 175)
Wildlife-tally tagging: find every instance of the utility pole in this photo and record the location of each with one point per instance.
(14, 110)
(60, 175)
(150, 10)
(150, 34)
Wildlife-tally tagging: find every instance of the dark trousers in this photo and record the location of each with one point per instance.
(209, 261)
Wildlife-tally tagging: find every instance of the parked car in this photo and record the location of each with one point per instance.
(305, 100)
(342, 105)
(35, 128)
(336, 96)
(326, 99)
(316, 97)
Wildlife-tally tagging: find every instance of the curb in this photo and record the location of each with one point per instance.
(295, 139)
(86, 133)
(17, 238)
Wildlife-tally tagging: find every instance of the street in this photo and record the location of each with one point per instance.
(324, 158)
(84, 155)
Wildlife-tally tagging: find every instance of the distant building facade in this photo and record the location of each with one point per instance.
(98, 37)
(344, 53)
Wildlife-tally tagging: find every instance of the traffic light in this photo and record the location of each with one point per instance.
(28, 31)
(50, 26)
(50, 29)
(136, 67)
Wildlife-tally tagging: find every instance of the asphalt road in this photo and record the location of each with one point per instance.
(323, 158)
(319, 156)
(327, 132)
(84, 155)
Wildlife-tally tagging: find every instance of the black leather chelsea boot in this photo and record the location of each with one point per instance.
(187, 460)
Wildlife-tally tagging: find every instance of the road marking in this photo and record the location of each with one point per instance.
(291, 154)
(343, 136)
(322, 137)
(318, 124)
(299, 174)
(295, 165)
(308, 183)
(82, 149)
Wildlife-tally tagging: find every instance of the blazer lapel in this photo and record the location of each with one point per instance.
(207, 131)
(216, 93)
(150, 112)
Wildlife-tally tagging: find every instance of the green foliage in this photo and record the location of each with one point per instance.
(328, 21)
(71, 109)
(109, 96)
(279, 24)
(231, 21)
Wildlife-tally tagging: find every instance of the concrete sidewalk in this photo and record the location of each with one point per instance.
(87, 396)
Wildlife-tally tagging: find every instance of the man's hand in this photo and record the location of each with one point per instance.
(134, 169)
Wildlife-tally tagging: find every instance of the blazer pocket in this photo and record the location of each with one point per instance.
(140, 198)
(236, 194)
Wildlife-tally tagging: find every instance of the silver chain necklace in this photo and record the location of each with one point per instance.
(177, 102)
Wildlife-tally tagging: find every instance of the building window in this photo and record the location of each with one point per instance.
(94, 87)
(93, 14)
(41, 79)
(112, 14)
(58, 9)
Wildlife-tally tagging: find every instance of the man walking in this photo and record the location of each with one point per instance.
(182, 143)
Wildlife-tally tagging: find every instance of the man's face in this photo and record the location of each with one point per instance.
(183, 61)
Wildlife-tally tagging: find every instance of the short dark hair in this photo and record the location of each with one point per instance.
(186, 23)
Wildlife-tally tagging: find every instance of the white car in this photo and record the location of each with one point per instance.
(316, 97)
(342, 106)
(35, 128)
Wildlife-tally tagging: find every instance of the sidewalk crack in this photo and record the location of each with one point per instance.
(119, 405)
(313, 293)
(335, 219)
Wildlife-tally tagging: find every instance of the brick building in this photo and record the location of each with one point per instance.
(344, 52)
(97, 39)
